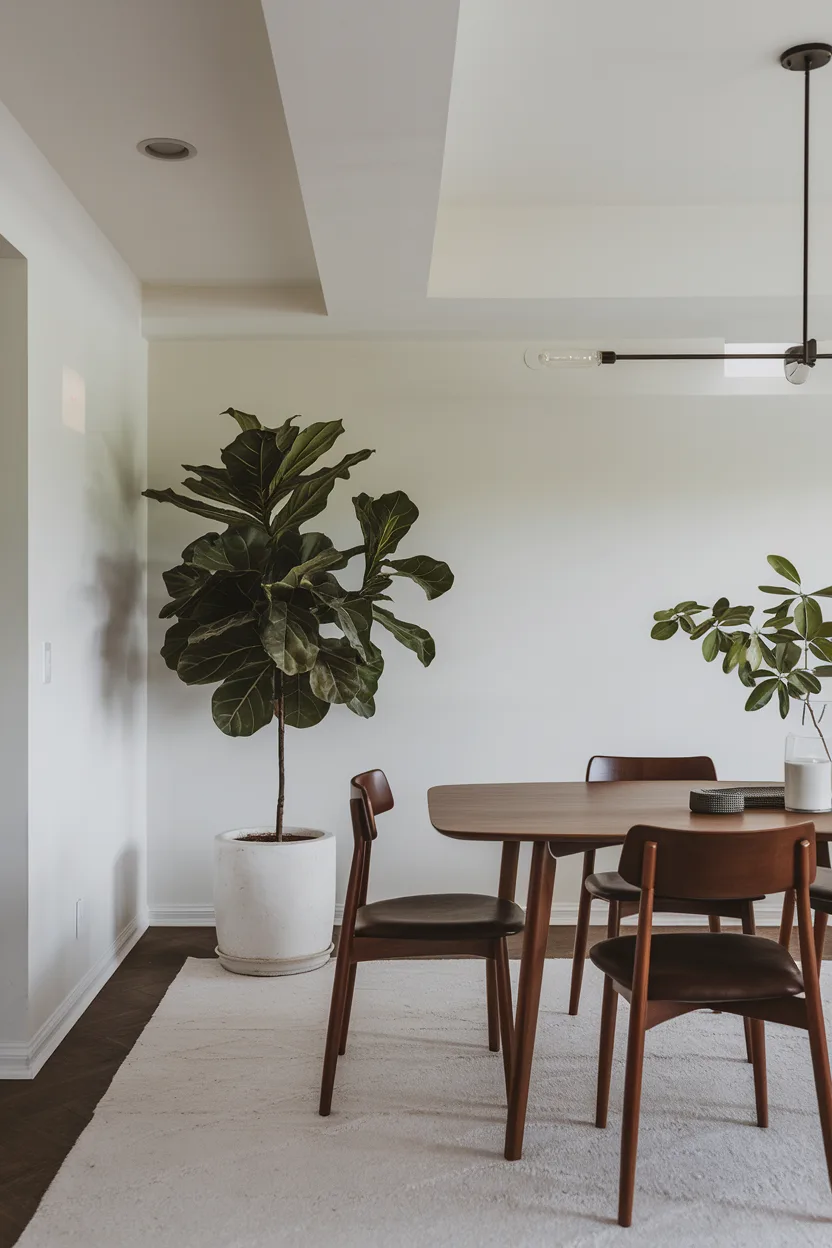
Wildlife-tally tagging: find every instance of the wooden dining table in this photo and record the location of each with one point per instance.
(559, 819)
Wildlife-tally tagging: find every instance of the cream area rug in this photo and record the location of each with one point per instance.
(209, 1136)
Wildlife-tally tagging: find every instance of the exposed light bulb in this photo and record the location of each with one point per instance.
(554, 358)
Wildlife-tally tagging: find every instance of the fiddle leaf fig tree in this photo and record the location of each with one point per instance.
(775, 656)
(257, 607)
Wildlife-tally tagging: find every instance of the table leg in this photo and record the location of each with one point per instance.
(535, 936)
(823, 853)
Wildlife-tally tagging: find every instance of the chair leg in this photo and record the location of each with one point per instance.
(820, 1066)
(758, 1045)
(505, 1010)
(749, 927)
(609, 1010)
(492, 1005)
(714, 923)
(334, 1030)
(632, 1110)
(787, 920)
(581, 934)
(821, 920)
(345, 1024)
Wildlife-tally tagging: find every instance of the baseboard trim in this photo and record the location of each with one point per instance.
(23, 1061)
(564, 914)
(196, 916)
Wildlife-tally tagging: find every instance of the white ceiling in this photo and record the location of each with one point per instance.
(561, 168)
(645, 102)
(88, 79)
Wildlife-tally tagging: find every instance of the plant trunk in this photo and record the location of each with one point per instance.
(817, 728)
(281, 742)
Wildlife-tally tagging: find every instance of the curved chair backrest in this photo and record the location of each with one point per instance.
(615, 767)
(370, 795)
(709, 865)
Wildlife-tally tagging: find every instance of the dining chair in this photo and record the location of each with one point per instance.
(820, 899)
(426, 926)
(608, 886)
(669, 974)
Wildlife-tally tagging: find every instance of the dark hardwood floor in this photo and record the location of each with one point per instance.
(40, 1119)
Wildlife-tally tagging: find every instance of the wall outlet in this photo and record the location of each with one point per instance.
(79, 917)
(47, 662)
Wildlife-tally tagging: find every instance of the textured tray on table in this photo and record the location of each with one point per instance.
(733, 801)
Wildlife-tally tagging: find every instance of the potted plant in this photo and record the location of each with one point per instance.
(771, 658)
(259, 611)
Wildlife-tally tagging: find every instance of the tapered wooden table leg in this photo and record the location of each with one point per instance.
(535, 936)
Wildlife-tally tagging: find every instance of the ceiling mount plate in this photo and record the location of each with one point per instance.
(807, 56)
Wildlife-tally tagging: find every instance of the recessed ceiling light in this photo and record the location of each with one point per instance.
(167, 149)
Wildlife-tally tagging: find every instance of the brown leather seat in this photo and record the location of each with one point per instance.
(820, 893)
(442, 916)
(610, 886)
(703, 967)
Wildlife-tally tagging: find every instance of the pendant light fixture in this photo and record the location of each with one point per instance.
(798, 361)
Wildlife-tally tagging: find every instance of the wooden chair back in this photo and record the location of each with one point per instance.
(617, 767)
(370, 795)
(718, 865)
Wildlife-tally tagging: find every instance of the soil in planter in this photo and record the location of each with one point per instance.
(270, 836)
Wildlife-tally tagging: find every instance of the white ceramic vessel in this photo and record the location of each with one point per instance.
(274, 902)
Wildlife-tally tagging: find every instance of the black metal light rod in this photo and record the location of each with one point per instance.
(803, 58)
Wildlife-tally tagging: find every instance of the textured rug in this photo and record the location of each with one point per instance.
(209, 1135)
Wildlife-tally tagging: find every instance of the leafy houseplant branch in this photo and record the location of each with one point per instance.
(257, 608)
(772, 658)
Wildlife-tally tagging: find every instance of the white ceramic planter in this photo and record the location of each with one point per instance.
(274, 902)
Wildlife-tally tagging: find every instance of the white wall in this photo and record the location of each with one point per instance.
(14, 694)
(87, 728)
(570, 506)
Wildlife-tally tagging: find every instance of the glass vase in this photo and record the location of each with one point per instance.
(807, 765)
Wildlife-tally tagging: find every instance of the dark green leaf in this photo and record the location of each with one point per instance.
(662, 615)
(300, 706)
(244, 419)
(746, 675)
(202, 631)
(682, 608)
(216, 484)
(334, 678)
(783, 697)
(724, 640)
(285, 434)
(237, 550)
(686, 624)
(783, 567)
(774, 589)
(822, 593)
(779, 621)
(355, 618)
(218, 656)
(182, 583)
(290, 637)
(720, 607)
(176, 639)
(252, 459)
(308, 445)
(809, 679)
(784, 634)
(410, 635)
(431, 575)
(734, 616)
(197, 507)
(821, 648)
(339, 470)
(761, 694)
(735, 652)
(225, 593)
(807, 617)
(710, 646)
(369, 674)
(384, 522)
(309, 498)
(244, 702)
(824, 669)
(702, 628)
(787, 655)
(782, 608)
(825, 629)
(796, 686)
(664, 630)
